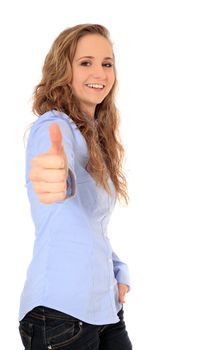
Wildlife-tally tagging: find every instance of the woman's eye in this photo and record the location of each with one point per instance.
(85, 63)
(108, 65)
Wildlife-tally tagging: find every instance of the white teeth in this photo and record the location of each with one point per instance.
(95, 86)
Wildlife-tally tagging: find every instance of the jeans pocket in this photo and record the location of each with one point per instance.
(61, 336)
(26, 333)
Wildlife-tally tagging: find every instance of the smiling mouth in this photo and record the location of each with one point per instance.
(95, 86)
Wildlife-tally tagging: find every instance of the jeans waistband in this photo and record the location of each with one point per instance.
(43, 312)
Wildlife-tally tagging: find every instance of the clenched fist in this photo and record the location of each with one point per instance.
(49, 170)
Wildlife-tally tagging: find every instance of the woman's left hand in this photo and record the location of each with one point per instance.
(123, 289)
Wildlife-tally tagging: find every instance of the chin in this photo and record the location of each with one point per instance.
(97, 102)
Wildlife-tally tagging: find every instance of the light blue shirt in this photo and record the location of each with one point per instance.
(74, 268)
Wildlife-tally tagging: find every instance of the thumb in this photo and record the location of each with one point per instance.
(56, 139)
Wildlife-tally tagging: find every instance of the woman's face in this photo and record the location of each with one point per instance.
(93, 71)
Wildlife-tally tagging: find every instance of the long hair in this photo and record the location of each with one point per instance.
(105, 149)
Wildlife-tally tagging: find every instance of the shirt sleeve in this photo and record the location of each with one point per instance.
(121, 271)
(40, 142)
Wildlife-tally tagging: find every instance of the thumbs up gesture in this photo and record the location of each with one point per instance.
(49, 170)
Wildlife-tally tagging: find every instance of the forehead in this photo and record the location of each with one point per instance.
(94, 45)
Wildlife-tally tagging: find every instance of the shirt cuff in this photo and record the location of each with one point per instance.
(71, 184)
(123, 277)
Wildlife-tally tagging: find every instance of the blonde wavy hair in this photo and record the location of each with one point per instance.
(106, 152)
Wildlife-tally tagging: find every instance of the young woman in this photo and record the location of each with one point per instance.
(76, 284)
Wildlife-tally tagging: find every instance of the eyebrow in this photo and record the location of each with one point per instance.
(91, 57)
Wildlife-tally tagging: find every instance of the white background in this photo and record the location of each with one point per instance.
(165, 59)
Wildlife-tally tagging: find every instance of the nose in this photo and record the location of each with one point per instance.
(99, 72)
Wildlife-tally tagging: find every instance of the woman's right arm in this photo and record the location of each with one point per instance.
(51, 170)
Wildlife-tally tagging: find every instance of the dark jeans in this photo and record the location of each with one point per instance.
(44, 328)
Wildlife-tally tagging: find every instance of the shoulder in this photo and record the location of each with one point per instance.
(53, 116)
(40, 127)
(39, 140)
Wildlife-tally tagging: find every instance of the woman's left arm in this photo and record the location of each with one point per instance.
(121, 270)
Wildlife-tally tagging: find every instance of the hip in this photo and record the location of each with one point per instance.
(46, 328)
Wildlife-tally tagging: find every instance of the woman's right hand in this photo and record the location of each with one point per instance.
(49, 171)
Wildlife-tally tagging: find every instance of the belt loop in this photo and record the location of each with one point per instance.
(43, 313)
(44, 326)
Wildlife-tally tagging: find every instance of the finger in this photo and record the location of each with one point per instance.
(121, 296)
(56, 139)
(48, 161)
(49, 198)
(49, 187)
(48, 175)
